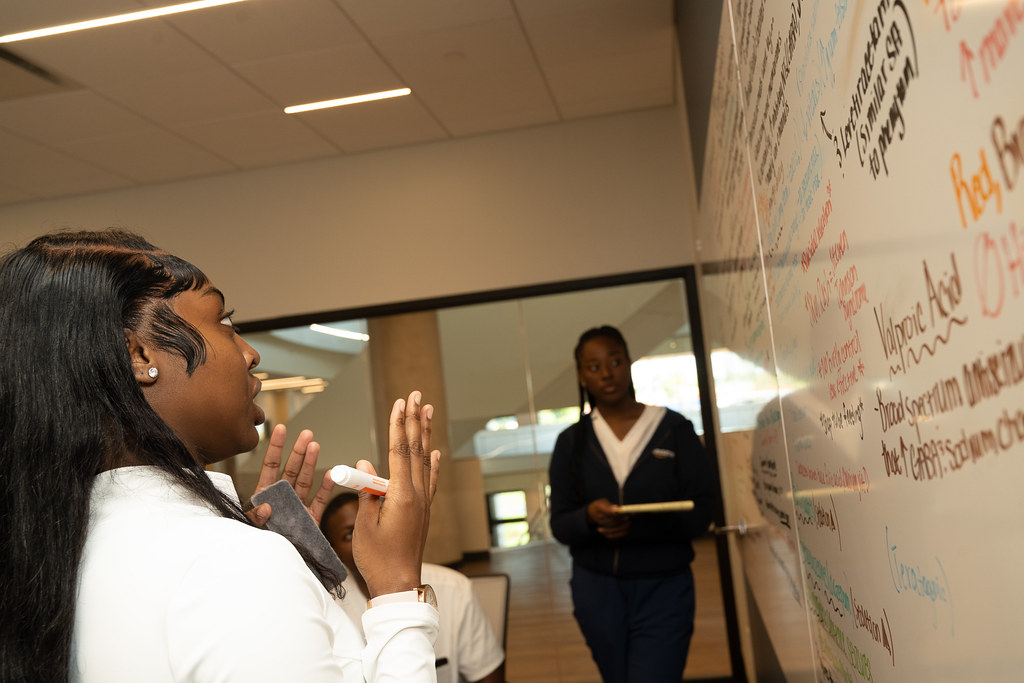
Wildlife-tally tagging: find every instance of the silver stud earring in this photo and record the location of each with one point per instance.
(153, 372)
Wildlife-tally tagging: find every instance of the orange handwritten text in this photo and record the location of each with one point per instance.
(977, 191)
(950, 10)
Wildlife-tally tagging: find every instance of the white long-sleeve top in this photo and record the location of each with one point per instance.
(171, 591)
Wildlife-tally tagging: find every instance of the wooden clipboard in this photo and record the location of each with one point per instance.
(667, 506)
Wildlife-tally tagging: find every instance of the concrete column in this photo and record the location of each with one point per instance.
(405, 354)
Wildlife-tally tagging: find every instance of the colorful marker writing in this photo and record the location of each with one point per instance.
(361, 481)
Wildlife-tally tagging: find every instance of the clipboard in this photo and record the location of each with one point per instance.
(667, 506)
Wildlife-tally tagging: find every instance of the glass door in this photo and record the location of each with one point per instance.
(510, 388)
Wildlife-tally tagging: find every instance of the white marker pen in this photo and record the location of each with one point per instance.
(359, 480)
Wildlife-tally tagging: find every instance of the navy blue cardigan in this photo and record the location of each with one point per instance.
(673, 466)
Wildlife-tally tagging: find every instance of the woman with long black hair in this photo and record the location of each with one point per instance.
(121, 557)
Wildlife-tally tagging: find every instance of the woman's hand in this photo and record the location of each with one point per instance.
(389, 534)
(609, 522)
(299, 471)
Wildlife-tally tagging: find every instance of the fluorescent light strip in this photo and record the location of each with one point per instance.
(335, 332)
(119, 19)
(347, 100)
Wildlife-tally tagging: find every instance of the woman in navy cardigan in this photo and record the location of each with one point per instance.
(632, 587)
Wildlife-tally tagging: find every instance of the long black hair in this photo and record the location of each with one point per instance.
(602, 332)
(70, 407)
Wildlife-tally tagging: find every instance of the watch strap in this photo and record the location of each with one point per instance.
(424, 594)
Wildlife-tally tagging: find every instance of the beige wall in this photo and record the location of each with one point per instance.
(587, 198)
(583, 199)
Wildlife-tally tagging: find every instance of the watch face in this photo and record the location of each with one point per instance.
(427, 595)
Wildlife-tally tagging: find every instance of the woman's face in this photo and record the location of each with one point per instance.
(211, 410)
(339, 532)
(604, 371)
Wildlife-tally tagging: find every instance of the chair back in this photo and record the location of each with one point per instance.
(492, 590)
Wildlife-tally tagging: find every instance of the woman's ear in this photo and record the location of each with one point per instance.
(143, 361)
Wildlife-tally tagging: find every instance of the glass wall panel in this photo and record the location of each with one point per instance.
(510, 388)
(313, 380)
(487, 387)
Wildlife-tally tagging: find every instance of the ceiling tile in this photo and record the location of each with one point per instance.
(16, 81)
(151, 157)
(66, 118)
(374, 125)
(266, 29)
(189, 96)
(580, 31)
(474, 79)
(44, 172)
(29, 15)
(260, 139)
(458, 52)
(131, 52)
(490, 102)
(321, 75)
(379, 18)
(617, 77)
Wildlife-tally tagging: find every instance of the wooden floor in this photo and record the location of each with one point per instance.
(544, 642)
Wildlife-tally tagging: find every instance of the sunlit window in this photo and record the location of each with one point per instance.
(669, 380)
(509, 524)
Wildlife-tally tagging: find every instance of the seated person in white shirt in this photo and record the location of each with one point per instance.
(466, 648)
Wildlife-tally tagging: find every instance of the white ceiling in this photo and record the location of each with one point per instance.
(203, 92)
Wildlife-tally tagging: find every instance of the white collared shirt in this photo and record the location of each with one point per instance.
(465, 640)
(622, 455)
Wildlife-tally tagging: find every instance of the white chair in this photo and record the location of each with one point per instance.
(492, 590)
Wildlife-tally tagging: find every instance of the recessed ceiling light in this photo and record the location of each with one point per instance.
(347, 100)
(118, 19)
(335, 332)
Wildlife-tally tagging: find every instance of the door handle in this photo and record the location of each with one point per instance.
(741, 528)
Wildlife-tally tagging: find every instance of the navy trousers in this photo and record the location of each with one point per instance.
(638, 630)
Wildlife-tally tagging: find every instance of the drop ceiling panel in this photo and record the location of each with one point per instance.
(45, 119)
(458, 52)
(385, 123)
(28, 15)
(491, 102)
(624, 78)
(475, 78)
(17, 82)
(151, 157)
(259, 139)
(382, 18)
(328, 74)
(577, 30)
(37, 170)
(267, 29)
(112, 55)
(610, 31)
(185, 97)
